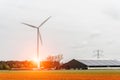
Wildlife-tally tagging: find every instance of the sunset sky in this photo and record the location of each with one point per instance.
(76, 29)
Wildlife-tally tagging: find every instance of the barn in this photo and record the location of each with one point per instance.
(91, 64)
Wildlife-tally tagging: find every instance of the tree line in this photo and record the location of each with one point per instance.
(7, 65)
(51, 62)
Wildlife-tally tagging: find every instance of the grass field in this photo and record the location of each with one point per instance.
(61, 75)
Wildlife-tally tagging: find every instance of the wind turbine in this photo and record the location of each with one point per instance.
(38, 37)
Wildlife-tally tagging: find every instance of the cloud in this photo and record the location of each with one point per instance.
(113, 10)
(95, 34)
(80, 45)
(113, 13)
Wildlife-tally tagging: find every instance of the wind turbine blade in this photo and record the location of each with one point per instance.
(40, 38)
(45, 21)
(29, 25)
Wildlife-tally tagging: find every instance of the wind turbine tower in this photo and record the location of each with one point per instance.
(38, 37)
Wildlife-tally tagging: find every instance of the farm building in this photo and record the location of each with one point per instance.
(91, 64)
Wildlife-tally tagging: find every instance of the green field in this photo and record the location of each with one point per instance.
(60, 75)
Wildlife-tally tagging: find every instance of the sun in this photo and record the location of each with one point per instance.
(35, 60)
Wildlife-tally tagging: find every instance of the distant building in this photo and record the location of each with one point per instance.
(91, 64)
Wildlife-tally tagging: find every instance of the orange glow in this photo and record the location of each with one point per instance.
(35, 60)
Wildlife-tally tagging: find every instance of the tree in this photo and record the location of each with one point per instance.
(4, 66)
(57, 58)
(52, 62)
(1, 66)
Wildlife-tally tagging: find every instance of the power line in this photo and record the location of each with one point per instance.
(98, 53)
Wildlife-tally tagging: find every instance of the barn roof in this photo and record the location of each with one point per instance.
(100, 62)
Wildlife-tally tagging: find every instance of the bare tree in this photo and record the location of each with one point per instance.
(57, 58)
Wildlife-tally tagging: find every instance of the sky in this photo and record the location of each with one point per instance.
(76, 29)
